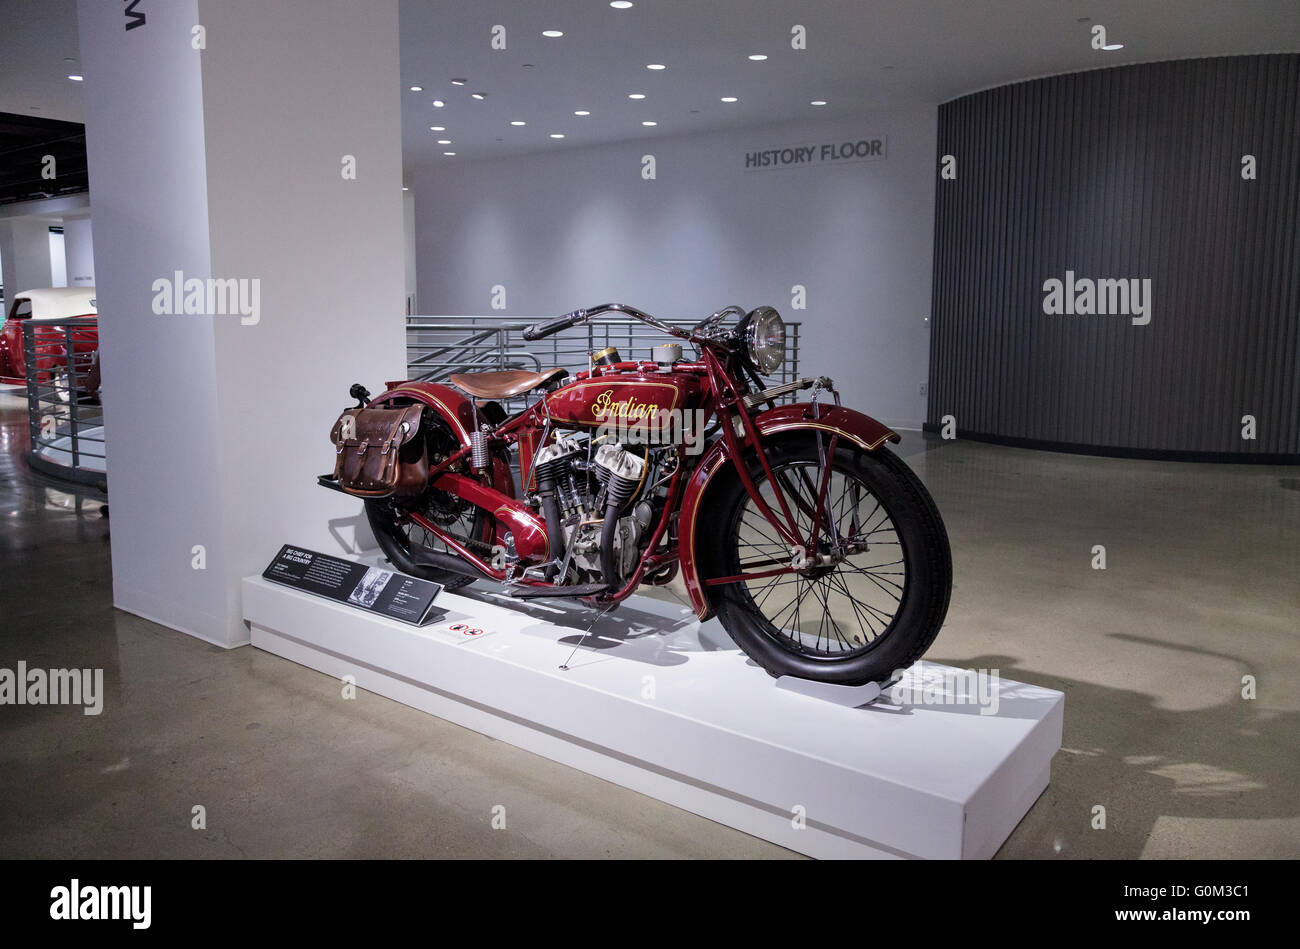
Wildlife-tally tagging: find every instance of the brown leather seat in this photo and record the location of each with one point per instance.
(505, 384)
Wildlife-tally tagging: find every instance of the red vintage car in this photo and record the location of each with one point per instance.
(48, 306)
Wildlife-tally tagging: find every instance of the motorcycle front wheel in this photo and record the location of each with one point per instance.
(866, 603)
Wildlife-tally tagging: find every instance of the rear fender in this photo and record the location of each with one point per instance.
(862, 430)
(452, 405)
(457, 410)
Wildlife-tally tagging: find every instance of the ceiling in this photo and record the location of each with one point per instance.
(39, 49)
(861, 55)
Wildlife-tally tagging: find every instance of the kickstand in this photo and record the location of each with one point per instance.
(564, 666)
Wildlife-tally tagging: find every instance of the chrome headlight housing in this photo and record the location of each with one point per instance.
(763, 331)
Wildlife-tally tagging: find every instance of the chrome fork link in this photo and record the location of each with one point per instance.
(824, 384)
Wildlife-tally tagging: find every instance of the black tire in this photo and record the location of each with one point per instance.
(399, 539)
(728, 533)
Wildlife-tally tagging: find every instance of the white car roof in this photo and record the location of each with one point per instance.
(58, 303)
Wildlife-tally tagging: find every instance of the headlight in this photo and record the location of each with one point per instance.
(765, 339)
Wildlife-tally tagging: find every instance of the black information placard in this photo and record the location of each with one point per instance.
(373, 589)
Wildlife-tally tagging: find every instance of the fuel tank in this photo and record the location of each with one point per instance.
(631, 400)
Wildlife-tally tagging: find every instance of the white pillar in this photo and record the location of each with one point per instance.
(227, 162)
(24, 255)
(78, 249)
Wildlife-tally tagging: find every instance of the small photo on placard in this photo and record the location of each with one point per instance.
(371, 585)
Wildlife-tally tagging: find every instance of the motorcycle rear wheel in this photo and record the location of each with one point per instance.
(402, 540)
(861, 620)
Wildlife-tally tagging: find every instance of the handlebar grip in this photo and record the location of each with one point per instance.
(542, 330)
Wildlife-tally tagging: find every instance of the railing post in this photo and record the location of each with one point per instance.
(74, 417)
(33, 399)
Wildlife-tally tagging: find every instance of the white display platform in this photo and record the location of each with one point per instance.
(657, 702)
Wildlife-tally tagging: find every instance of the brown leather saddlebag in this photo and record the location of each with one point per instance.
(379, 453)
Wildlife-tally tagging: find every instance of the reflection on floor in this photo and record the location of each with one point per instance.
(1201, 589)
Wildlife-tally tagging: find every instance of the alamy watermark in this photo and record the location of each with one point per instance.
(215, 296)
(632, 422)
(77, 901)
(928, 686)
(24, 686)
(1106, 296)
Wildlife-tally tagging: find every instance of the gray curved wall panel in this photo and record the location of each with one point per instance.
(1131, 173)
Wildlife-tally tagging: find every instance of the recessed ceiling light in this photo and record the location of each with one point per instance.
(478, 95)
(437, 128)
(649, 123)
(582, 112)
(620, 4)
(459, 82)
(758, 57)
(637, 95)
(449, 153)
(730, 99)
(404, 188)
(553, 34)
(818, 102)
(444, 141)
(438, 103)
(417, 88)
(75, 78)
(1113, 46)
(557, 135)
(517, 122)
(656, 66)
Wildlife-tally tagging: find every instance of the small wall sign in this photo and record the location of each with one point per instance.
(816, 154)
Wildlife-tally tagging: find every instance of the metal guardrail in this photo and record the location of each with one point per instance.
(437, 346)
(65, 418)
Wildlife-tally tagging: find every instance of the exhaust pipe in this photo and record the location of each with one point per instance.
(451, 563)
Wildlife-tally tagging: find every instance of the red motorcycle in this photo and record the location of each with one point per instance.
(820, 551)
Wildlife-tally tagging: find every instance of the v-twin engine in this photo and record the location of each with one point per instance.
(594, 520)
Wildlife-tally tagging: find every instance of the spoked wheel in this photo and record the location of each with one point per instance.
(867, 602)
(403, 540)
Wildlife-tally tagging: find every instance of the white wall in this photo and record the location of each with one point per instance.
(217, 428)
(58, 262)
(7, 275)
(78, 250)
(25, 249)
(327, 249)
(144, 143)
(408, 237)
(576, 227)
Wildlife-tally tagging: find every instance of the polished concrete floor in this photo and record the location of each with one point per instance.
(1201, 588)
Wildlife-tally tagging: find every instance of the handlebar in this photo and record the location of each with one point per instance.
(542, 330)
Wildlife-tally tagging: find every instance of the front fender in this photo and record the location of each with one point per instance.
(862, 430)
